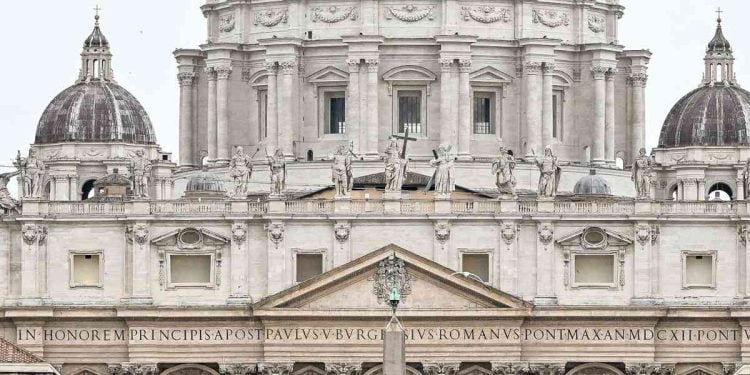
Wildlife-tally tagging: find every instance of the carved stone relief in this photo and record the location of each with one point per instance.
(550, 18)
(226, 23)
(410, 13)
(508, 233)
(34, 233)
(275, 232)
(596, 23)
(486, 14)
(239, 232)
(333, 14)
(271, 17)
(342, 231)
(442, 232)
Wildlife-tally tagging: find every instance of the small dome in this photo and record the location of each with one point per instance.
(96, 39)
(95, 111)
(592, 185)
(719, 43)
(205, 183)
(712, 115)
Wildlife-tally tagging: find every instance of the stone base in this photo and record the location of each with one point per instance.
(221, 163)
(442, 204)
(342, 204)
(546, 204)
(239, 300)
(33, 301)
(464, 157)
(506, 197)
(137, 301)
(542, 300)
(646, 301)
(391, 195)
(370, 157)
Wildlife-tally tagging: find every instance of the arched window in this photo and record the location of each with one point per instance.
(310, 155)
(87, 190)
(587, 154)
(719, 73)
(673, 193)
(96, 69)
(720, 192)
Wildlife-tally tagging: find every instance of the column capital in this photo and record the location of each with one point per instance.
(344, 368)
(610, 75)
(547, 368)
(464, 65)
(288, 66)
(599, 71)
(446, 65)
(223, 71)
(649, 368)
(134, 369)
(271, 67)
(237, 368)
(637, 79)
(441, 368)
(210, 73)
(284, 368)
(510, 368)
(372, 65)
(532, 67)
(186, 78)
(548, 68)
(353, 65)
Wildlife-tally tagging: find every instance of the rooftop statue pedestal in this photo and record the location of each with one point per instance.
(643, 206)
(442, 203)
(276, 204)
(342, 204)
(392, 202)
(33, 207)
(238, 206)
(139, 207)
(546, 204)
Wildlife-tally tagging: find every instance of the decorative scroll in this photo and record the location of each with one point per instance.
(271, 17)
(486, 14)
(550, 18)
(226, 23)
(596, 23)
(334, 14)
(410, 13)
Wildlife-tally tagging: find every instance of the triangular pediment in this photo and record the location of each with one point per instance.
(490, 75)
(347, 290)
(328, 75)
(579, 238)
(190, 238)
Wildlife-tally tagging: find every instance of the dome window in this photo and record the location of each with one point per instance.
(720, 192)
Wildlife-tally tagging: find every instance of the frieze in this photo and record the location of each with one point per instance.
(226, 23)
(596, 23)
(550, 18)
(271, 17)
(333, 14)
(486, 14)
(410, 13)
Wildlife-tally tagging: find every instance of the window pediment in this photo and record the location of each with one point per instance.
(329, 76)
(409, 75)
(585, 238)
(489, 76)
(190, 238)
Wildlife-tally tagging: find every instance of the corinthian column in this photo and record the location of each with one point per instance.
(211, 114)
(533, 108)
(222, 114)
(286, 89)
(547, 109)
(186, 118)
(352, 105)
(446, 102)
(638, 127)
(464, 109)
(272, 113)
(609, 126)
(600, 92)
(372, 107)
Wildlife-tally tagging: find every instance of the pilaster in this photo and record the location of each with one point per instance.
(33, 263)
(598, 73)
(373, 107)
(545, 247)
(139, 240)
(507, 261)
(352, 106)
(464, 109)
(239, 283)
(288, 70)
(547, 108)
(609, 127)
(277, 257)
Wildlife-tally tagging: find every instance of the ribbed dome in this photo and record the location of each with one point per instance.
(719, 43)
(96, 39)
(592, 184)
(96, 111)
(712, 115)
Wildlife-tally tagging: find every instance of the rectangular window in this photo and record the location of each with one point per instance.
(557, 114)
(85, 270)
(477, 264)
(190, 269)
(410, 111)
(594, 270)
(335, 116)
(698, 270)
(262, 114)
(484, 108)
(309, 266)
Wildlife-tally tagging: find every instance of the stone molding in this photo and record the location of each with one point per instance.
(186, 78)
(441, 368)
(343, 368)
(131, 368)
(271, 17)
(284, 368)
(486, 14)
(596, 23)
(333, 14)
(649, 368)
(237, 368)
(409, 12)
(550, 18)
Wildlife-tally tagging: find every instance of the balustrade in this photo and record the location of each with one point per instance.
(190, 207)
(86, 208)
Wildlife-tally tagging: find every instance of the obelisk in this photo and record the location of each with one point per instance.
(394, 348)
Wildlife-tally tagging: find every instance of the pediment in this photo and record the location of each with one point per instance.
(490, 76)
(190, 238)
(579, 238)
(347, 290)
(409, 73)
(328, 75)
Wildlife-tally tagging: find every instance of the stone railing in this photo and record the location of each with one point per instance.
(190, 207)
(86, 208)
(367, 206)
(312, 206)
(701, 208)
(418, 207)
(595, 207)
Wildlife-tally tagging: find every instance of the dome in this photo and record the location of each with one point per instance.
(95, 111)
(712, 115)
(96, 39)
(592, 184)
(719, 43)
(205, 184)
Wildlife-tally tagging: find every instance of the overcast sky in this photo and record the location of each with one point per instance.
(42, 50)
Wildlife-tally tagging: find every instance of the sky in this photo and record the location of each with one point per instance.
(42, 51)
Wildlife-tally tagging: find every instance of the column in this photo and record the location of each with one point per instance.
(600, 93)
(285, 105)
(186, 118)
(352, 105)
(52, 188)
(373, 107)
(547, 109)
(533, 109)
(222, 114)
(609, 126)
(464, 109)
(211, 114)
(638, 127)
(446, 102)
(73, 187)
(272, 123)
(62, 192)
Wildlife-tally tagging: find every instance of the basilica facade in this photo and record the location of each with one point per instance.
(495, 149)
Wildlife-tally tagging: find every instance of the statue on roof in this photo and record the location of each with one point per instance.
(445, 177)
(549, 174)
(7, 203)
(33, 173)
(395, 166)
(240, 170)
(641, 174)
(277, 165)
(503, 168)
(140, 169)
(341, 171)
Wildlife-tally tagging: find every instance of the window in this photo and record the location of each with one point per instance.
(698, 269)
(335, 115)
(594, 270)
(190, 270)
(410, 111)
(262, 114)
(308, 266)
(477, 264)
(85, 269)
(557, 113)
(484, 108)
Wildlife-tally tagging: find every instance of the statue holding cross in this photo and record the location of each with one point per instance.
(396, 162)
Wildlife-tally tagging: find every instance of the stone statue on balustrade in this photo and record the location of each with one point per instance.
(341, 172)
(395, 166)
(503, 168)
(641, 174)
(33, 173)
(140, 170)
(549, 174)
(240, 170)
(277, 164)
(7, 203)
(445, 175)
(746, 178)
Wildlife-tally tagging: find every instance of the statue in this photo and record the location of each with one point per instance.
(395, 166)
(641, 175)
(549, 174)
(746, 177)
(277, 164)
(240, 170)
(445, 179)
(7, 203)
(503, 168)
(341, 171)
(33, 174)
(140, 168)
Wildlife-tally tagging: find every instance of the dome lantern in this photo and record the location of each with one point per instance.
(96, 59)
(719, 59)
